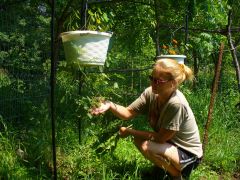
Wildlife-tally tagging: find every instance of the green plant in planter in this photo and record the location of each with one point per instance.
(88, 45)
(97, 20)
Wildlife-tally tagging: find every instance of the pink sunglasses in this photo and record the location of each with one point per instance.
(157, 81)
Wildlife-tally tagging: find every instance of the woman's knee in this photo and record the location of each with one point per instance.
(142, 145)
(146, 146)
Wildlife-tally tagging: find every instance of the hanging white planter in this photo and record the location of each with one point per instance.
(86, 48)
(178, 58)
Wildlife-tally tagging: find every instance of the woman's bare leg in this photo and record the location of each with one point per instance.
(163, 155)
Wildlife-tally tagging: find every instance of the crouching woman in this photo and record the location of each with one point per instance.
(174, 144)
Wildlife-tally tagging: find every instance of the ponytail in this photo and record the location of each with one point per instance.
(176, 71)
(187, 72)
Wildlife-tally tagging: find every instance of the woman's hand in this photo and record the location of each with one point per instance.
(104, 106)
(123, 132)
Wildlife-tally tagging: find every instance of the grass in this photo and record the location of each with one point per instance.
(10, 166)
(97, 157)
(82, 161)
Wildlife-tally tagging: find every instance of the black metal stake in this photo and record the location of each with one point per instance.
(80, 74)
(52, 85)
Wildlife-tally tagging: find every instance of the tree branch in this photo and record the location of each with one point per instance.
(233, 50)
(119, 1)
(217, 31)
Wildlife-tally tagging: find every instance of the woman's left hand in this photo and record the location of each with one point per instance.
(123, 132)
(104, 106)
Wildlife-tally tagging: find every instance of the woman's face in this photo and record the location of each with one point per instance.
(160, 82)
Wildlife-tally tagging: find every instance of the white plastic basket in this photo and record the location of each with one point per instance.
(178, 58)
(86, 47)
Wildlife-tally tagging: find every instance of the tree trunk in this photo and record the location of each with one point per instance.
(233, 50)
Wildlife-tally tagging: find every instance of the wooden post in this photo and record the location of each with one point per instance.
(213, 95)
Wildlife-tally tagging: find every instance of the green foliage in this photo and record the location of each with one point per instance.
(205, 44)
(225, 148)
(4, 78)
(97, 20)
(222, 149)
(89, 147)
(204, 171)
(213, 13)
(10, 167)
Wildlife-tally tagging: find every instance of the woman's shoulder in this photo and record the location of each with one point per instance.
(148, 91)
(178, 99)
(148, 94)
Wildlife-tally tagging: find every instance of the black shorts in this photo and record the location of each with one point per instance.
(187, 159)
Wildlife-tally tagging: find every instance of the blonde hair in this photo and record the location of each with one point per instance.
(174, 70)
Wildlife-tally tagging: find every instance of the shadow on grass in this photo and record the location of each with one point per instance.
(146, 173)
(154, 173)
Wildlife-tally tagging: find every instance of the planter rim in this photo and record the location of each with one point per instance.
(171, 56)
(109, 34)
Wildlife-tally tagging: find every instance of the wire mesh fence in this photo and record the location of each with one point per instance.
(25, 71)
(23, 81)
(24, 57)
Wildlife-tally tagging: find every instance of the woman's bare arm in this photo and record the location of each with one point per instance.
(121, 112)
(161, 137)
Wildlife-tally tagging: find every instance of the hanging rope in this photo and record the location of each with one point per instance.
(84, 14)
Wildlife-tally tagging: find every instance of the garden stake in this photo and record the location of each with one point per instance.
(80, 73)
(53, 86)
(213, 95)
